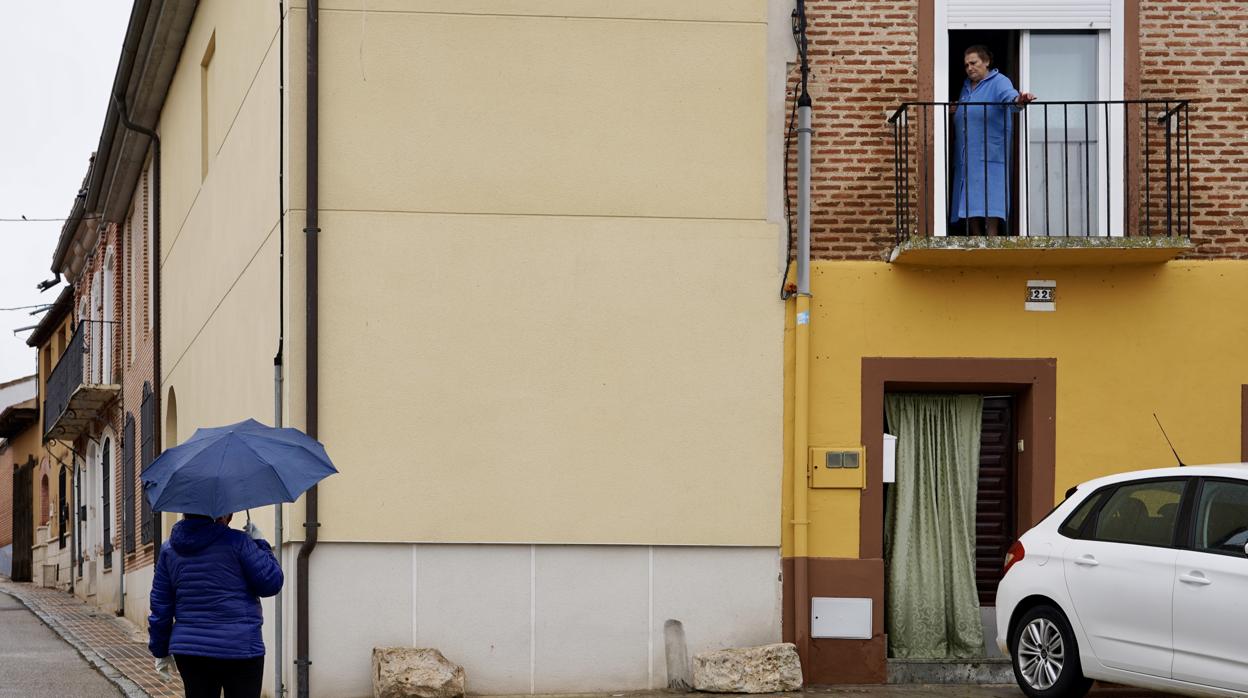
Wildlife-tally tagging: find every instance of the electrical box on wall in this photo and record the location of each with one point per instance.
(844, 468)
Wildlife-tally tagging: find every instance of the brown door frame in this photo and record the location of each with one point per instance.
(1033, 382)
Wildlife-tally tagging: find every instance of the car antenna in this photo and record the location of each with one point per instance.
(1163, 433)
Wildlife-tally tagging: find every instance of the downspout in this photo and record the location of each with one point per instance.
(311, 231)
(801, 365)
(279, 668)
(154, 260)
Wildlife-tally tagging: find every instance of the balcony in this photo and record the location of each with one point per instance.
(1072, 183)
(82, 383)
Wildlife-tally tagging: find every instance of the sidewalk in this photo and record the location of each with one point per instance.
(114, 646)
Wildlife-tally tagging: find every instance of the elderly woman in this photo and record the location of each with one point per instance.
(982, 136)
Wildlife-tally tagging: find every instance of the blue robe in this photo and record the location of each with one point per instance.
(977, 185)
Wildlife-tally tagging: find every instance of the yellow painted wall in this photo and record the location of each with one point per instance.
(548, 282)
(1129, 341)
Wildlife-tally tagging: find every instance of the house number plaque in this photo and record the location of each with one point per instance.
(1041, 296)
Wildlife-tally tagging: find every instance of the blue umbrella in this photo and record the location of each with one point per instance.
(221, 470)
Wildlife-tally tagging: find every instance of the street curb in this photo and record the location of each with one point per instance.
(129, 688)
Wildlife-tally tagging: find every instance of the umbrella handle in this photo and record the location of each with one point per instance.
(249, 516)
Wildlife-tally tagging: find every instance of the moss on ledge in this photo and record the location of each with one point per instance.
(1159, 242)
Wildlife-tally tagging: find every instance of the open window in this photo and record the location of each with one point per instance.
(1064, 161)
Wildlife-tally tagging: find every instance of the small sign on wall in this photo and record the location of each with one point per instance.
(1041, 296)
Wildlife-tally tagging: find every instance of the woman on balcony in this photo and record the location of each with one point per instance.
(982, 136)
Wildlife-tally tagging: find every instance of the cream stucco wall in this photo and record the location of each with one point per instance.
(548, 282)
(219, 247)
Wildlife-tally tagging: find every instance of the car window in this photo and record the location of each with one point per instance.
(1144, 513)
(1222, 518)
(1074, 523)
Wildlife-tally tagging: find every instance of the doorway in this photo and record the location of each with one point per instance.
(1003, 44)
(1059, 171)
(949, 516)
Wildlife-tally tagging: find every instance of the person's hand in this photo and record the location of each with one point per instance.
(1026, 98)
(254, 531)
(163, 665)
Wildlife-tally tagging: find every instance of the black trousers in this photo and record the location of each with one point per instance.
(206, 677)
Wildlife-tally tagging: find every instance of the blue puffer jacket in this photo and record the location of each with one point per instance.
(205, 595)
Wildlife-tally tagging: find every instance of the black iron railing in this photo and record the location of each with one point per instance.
(65, 378)
(86, 361)
(1086, 168)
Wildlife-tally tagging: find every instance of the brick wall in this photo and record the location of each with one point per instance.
(6, 494)
(1198, 50)
(139, 351)
(864, 58)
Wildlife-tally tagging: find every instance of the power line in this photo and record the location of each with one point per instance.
(24, 219)
(29, 307)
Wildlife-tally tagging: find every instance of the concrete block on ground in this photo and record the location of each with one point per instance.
(411, 672)
(765, 669)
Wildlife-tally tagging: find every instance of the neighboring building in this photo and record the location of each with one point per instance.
(546, 328)
(52, 556)
(18, 413)
(1142, 272)
(83, 400)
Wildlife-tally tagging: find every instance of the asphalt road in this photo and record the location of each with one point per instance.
(35, 663)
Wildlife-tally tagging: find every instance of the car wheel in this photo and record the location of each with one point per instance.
(1045, 656)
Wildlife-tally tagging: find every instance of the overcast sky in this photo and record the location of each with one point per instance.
(57, 60)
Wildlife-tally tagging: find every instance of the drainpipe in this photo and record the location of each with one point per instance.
(279, 667)
(154, 260)
(311, 231)
(801, 378)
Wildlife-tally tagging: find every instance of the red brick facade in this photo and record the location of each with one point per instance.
(132, 348)
(866, 60)
(139, 349)
(1195, 50)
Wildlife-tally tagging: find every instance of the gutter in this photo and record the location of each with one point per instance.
(311, 398)
(153, 259)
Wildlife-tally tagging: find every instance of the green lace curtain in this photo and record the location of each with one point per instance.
(929, 527)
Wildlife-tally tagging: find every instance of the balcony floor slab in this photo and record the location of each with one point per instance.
(1037, 251)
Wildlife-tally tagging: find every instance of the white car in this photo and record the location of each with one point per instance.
(1138, 578)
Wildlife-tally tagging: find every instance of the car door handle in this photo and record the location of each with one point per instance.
(1086, 561)
(1195, 578)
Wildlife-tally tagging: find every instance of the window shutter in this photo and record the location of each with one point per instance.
(1036, 14)
(106, 511)
(127, 486)
(147, 426)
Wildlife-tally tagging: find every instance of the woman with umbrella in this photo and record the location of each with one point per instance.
(205, 601)
(209, 579)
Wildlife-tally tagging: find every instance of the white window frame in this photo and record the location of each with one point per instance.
(1112, 87)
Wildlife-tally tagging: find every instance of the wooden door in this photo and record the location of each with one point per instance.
(23, 521)
(994, 515)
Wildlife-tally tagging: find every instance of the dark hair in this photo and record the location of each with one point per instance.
(200, 517)
(984, 54)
